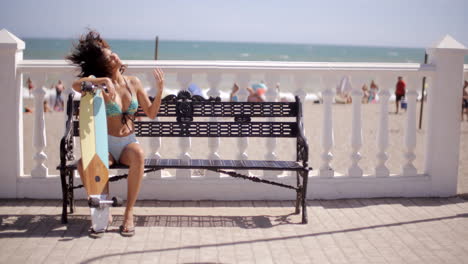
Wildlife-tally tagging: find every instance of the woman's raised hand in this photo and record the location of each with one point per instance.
(159, 76)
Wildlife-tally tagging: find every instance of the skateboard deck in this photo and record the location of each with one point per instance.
(95, 155)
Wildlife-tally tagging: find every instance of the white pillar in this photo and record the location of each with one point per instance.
(214, 79)
(39, 131)
(243, 142)
(300, 80)
(185, 143)
(155, 143)
(327, 137)
(381, 170)
(443, 124)
(271, 95)
(11, 113)
(408, 169)
(356, 127)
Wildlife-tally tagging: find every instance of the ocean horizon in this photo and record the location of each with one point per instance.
(55, 48)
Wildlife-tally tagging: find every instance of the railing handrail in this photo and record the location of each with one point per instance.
(169, 65)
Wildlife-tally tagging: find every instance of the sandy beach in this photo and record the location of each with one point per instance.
(285, 147)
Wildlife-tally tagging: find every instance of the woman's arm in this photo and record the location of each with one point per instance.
(97, 81)
(151, 109)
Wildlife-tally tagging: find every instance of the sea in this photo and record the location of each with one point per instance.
(237, 51)
(56, 49)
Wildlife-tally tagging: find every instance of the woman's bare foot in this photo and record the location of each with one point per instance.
(128, 219)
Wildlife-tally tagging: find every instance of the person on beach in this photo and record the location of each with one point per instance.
(46, 107)
(374, 89)
(365, 94)
(400, 92)
(58, 105)
(257, 92)
(30, 85)
(233, 96)
(100, 66)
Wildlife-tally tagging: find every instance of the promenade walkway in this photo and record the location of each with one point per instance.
(415, 230)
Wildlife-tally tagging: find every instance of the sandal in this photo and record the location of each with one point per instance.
(94, 234)
(127, 232)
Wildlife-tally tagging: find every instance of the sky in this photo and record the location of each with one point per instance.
(393, 23)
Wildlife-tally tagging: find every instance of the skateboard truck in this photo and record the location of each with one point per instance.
(95, 202)
(90, 87)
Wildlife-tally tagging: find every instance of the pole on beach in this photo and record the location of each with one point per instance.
(422, 94)
(156, 48)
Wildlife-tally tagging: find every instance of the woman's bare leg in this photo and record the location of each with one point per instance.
(134, 157)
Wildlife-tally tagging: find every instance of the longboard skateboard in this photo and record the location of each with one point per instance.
(95, 155)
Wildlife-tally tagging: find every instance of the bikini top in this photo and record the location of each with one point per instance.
(113, 109)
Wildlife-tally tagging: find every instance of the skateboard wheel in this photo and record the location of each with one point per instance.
(117, 201)
(94, 202)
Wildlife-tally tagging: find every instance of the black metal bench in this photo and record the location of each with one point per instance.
(185, 108)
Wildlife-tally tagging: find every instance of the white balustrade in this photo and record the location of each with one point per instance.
(39, 133)
(381, 170)
(271, 95)
(154, 143)
(356, 126)
(185, 143)
(408, 169)
(242, 95)
(214, 78)
(441, 158)
(327, 137)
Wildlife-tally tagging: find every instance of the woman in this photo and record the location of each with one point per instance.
(100, 65)
(374, 89)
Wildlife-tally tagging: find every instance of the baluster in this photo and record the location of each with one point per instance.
(408, 169)
(154, 143)
(185, 143)
(356, 133)
(39, 132)
(242, 95)
(300, 81)
(214, 78)
(271, 96)
(326, 171)
(381, 170)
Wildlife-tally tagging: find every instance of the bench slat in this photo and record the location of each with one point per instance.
(210, 129)
(215, 164)
(222, 109)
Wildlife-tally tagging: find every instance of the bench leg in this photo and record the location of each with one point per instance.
(63, 179)
(71, 196)
(305, 178)
(298, 194)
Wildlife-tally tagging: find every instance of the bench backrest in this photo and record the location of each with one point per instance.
(178, 113)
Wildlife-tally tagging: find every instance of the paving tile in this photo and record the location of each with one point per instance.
(390, 230)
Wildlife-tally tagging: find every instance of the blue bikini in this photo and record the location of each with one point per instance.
(118, 144)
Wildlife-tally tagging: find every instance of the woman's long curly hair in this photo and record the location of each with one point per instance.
(89, 56)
